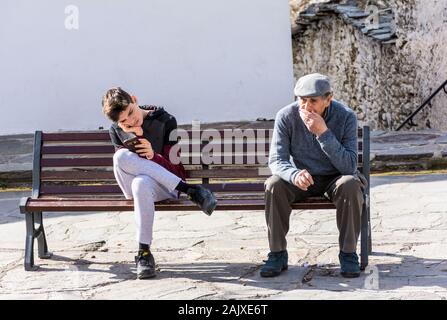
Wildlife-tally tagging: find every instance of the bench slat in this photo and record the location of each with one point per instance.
(103, 149)
(96, 175)
(257, 132)
(169, 205)
(77, 136)
(104, 135)
(78, 149)
(77, 162)
(108, 162)
(115, 189)
(93, 175)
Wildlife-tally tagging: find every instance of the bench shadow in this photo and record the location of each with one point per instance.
(119, 271)
(411, 271)
(408, 271)
(246, 274)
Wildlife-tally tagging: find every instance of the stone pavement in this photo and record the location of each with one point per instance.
(218, 257)
(403, 150)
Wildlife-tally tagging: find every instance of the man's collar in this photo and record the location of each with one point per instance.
(327, 111)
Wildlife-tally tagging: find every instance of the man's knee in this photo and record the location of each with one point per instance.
(348, 186)
(275, 185)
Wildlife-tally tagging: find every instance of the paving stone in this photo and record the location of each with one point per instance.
(220, 259)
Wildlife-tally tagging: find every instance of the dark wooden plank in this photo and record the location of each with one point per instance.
(104, 135)
(114, 189)
(193, 160)
(88, 197)
(256, 159)
(78, 162)
(227, 133)
(204, 135)
(101, 175)
(228, 146)
(94, 175)
(225, 173)
(108, 162)
(78, 149)
(225, 146)
(67, 189)
(77, 136)
(221, 147)
(169, 205)
(235, 187)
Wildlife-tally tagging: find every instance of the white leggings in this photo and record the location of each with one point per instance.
(146, 182)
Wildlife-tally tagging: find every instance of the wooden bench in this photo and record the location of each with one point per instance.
(72, 172)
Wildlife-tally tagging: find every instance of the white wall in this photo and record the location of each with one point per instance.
(209, 60)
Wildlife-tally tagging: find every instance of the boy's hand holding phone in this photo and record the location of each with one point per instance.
(144, 149)
(141, 146)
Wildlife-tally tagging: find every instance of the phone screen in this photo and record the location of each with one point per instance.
(131, 143)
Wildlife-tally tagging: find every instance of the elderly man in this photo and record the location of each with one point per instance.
(314, 153)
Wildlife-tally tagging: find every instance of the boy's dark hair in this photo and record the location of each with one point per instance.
(114, 102)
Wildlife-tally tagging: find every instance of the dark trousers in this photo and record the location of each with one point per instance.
(346, 192)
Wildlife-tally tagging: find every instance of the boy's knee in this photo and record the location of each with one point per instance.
(122, 157)
(142, 184)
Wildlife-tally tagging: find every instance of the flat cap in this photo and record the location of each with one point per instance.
(313, 85)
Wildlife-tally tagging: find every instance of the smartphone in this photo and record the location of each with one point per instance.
(131, 143)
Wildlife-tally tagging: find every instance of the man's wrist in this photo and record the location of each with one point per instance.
(293, 177)
(322, 132)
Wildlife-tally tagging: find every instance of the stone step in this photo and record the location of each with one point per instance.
(351, 14)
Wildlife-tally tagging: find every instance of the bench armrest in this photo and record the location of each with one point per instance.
(22, 204)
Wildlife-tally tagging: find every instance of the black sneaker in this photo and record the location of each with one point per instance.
(277, 262)
(349, 265)
(204, 198)
(145, 265)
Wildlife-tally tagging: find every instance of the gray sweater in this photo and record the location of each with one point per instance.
(294, 147)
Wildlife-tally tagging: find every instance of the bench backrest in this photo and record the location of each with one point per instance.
(79, 164)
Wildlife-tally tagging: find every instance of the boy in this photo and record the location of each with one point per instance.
(147, 175)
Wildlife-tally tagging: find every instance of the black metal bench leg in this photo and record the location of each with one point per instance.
(364, 238)
(29, 243)
(41, 239)
(369, 232)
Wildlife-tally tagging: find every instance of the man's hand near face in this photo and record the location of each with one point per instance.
(303, 180)
(314, 122)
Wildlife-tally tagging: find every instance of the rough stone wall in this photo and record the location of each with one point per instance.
(426, 50)
(384, 83)
(297, 6)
